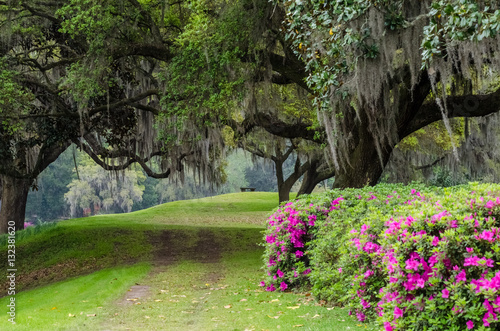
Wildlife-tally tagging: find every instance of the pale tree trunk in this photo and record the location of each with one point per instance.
(14, 197)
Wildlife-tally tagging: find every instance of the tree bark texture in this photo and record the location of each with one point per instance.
(14, 197)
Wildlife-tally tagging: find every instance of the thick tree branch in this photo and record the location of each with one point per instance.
(276, 127)
(457, 106)
(290, 68)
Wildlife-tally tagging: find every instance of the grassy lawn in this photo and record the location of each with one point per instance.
(197, 262)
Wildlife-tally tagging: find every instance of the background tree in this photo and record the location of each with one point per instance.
(97, 189)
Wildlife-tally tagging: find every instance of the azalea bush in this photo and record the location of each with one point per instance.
(408, 257)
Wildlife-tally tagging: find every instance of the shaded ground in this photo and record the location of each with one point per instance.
(171, 246)
(168, 250)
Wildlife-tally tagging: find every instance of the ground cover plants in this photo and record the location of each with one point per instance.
(407, 257)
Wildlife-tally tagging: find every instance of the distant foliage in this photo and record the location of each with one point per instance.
(100, 189)
(409, 257)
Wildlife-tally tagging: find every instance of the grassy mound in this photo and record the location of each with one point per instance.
(81, 246)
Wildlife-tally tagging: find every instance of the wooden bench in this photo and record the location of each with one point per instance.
(247, 189)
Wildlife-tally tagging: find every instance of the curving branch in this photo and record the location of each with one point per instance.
(457, 106)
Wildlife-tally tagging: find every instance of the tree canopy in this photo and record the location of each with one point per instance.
(128, 81)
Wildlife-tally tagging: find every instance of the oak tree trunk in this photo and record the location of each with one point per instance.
(13, 207)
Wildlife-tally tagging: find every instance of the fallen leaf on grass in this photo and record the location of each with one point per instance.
(161, 316)
(54, 308)
(71, 315)
(132, 299)
(243, 300)
(330, 308)
(187, 312)
(179, 296)
(228, 306)
(194, 301)
(315, 316)
(275, 317)
(163, 291)
(274, 300)
(249, 309)
(294, 307)
(91, 315)
(157, 300)
(147, 317)
(173, 300)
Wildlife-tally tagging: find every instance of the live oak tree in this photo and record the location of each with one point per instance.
(380, 70)
(86, 72)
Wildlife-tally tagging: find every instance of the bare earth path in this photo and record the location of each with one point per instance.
(188, 296)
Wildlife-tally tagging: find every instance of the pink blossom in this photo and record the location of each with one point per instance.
(461, 276)
(469, 250)
(435, 241)
(307, 271)
(487, 235)
(490, 204)
(270, 288)
(270, 239)
(398, 312)
(299, 254)
(280, 273)
(446, 293)
(262, 283)
(340, 270)
(412, 264)
(365, 304)
(283, 286)
(361, 317)
(364, 227)
(470, 324)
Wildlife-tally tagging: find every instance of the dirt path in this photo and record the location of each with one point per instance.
(171, 247)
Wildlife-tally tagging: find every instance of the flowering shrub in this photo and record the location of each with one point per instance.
(286, 238)
(413, 258)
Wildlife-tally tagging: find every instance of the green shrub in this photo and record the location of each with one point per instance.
(411, 257)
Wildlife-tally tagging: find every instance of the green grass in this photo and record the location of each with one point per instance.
(229, 210)
(224, 296)
(206, 269)
(65, 305)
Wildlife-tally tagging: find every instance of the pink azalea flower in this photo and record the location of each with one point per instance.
(398, 312)
(280, 273)
(361, 317)
(435, 241)
(307, 271)
(270, 288)
(387, 326)
(490, 204)
(283, 286)
(461, 276)
(299, 254)
(340, 270)
(446, 293)
(470, 324)
(262, 283)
